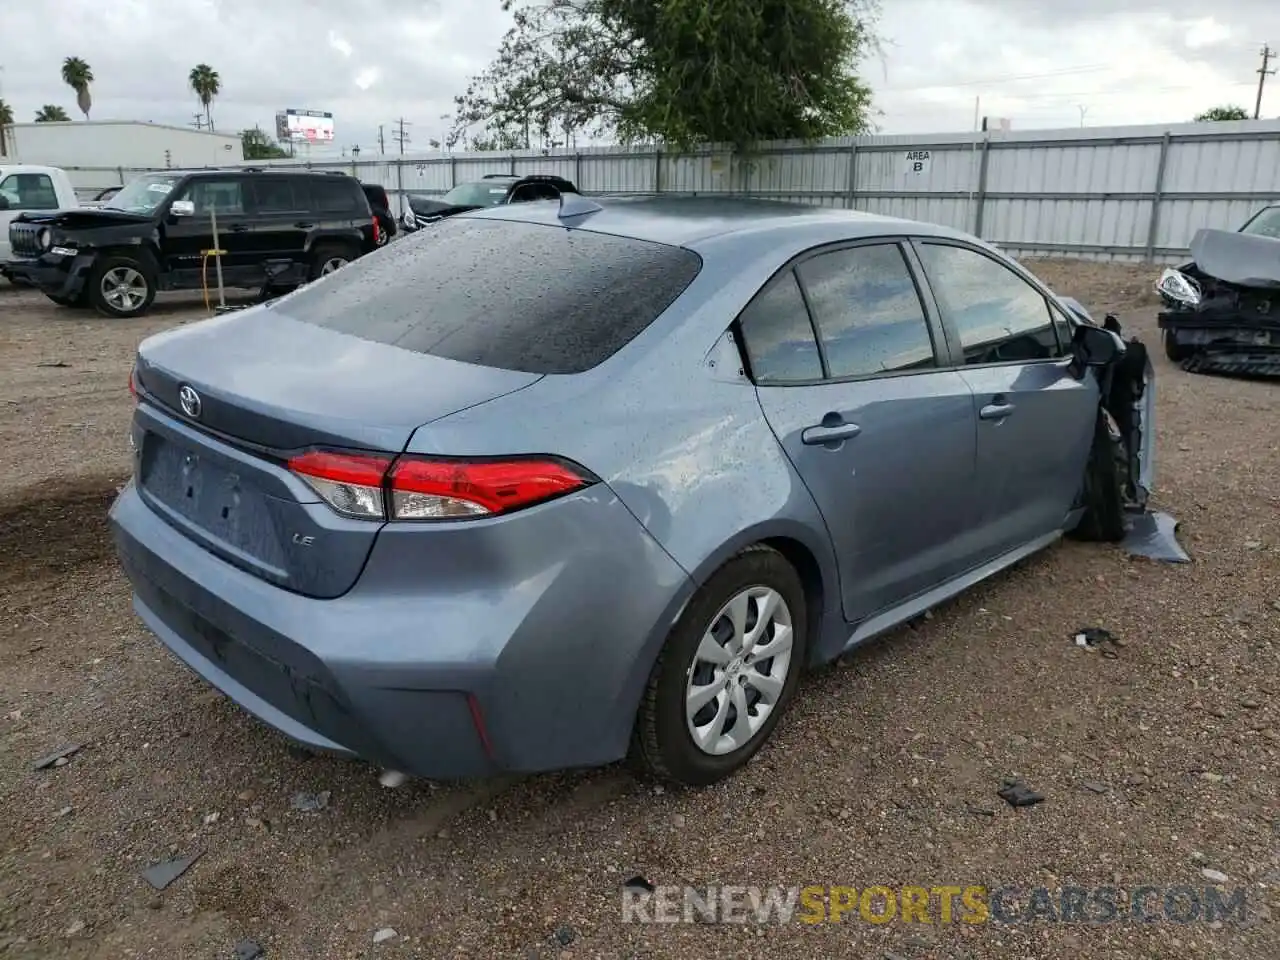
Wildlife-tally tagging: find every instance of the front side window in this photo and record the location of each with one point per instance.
(999, 316)
(143, 195)
(778, 336)
(868, 311)
(214, 195)
(1265, 223)
(29, 191)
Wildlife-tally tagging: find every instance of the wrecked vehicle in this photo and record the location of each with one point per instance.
(1223, 308)
(602, 479)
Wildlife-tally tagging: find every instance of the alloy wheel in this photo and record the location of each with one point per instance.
(124, 288)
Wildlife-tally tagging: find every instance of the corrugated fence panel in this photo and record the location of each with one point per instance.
(1087, 192)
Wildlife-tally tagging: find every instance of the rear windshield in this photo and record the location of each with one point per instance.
(518, 296)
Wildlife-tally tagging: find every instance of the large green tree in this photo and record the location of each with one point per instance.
(1229, 112)
(51, 113)
(680, 72)
(205, 84)
(77, 75)
(258, 146)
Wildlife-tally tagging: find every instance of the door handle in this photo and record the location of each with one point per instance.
(995, 411)
(823, 433)
(304, 225)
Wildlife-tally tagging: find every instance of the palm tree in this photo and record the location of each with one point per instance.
(50, 113)
(77, 75)
(206, 84)
(6, 118)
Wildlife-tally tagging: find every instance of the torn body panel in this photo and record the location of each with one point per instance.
(1223, 309)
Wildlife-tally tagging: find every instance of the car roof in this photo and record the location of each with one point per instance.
(692, 221)
(252, 171)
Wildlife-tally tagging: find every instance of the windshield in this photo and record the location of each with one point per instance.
(1265, 223)
(479, 194)
(143, 195)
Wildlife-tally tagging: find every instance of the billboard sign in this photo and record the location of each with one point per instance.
(304, 126)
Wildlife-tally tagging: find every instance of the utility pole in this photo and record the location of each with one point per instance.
(1083, 110)
(400, 136)
(199, 121)
(382, 144)
(1263, 73)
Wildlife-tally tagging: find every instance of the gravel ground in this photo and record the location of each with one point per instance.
(885, 772)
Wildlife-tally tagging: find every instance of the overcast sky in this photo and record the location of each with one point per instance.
(1040, 63)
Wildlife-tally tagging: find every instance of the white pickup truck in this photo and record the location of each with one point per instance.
(28, 187)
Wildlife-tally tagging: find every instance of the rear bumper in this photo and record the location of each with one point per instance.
(60, 276)
(442, 667)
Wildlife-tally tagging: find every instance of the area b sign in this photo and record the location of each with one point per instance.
(917, 161)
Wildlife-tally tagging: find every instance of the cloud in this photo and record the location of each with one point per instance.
(1038, 62)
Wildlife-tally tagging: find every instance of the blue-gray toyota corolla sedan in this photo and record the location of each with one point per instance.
(564, 482)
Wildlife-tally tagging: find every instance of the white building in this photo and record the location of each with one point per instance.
(104, 153)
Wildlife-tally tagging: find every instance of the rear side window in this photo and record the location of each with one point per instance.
(868, 311)
(275, 194)
(518, 296)
(778, 335)
(336, 195)
(29, 191)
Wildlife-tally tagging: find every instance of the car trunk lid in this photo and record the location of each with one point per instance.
(259, 388)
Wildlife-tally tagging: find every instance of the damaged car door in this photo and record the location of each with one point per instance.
(1035, 418)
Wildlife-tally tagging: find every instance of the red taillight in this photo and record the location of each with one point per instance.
(133, 383)
(377, 232)
(418, 488)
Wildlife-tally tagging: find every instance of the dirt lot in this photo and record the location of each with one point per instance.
(1157, 765)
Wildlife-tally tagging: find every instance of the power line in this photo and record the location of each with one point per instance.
(399, 135)
(1263, 73)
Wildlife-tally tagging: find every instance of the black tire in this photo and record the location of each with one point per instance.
(131, 268)
(662, 745)
(78, 302)
(326, 253)
(1174, 350)
(386, 227)
(1104, 485)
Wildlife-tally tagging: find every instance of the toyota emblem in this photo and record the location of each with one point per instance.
(190, 401)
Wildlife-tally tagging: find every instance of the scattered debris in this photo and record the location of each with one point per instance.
(60, 754)
(1095, 786)
(565, 935)
(1017, 793)
(1096, 638)
(64, 812)
(247, 950)
(980, 811)
(211, 818)
(1214, 876)
(76, 928)
(1154, 536)
(639, 883)
(53, 363)
(393, 778)
(311, 802)
(163, 874)
(385, 934)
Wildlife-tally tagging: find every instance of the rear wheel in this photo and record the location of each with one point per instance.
(726, 673)
(329, 257)
(1104, 484)
(121, 287)
(1174, 350)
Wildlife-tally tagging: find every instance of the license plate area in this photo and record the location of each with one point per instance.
(200, 489)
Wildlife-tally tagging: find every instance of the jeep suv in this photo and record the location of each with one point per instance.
(276, 229)
(491, 190)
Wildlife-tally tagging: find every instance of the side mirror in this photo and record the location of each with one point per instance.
(182, 208)
(1095, 346)
(4, 202)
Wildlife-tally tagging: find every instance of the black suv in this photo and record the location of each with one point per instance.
(276, 229)
(491, 190)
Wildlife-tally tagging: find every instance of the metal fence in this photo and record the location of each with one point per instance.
(1121, 193)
